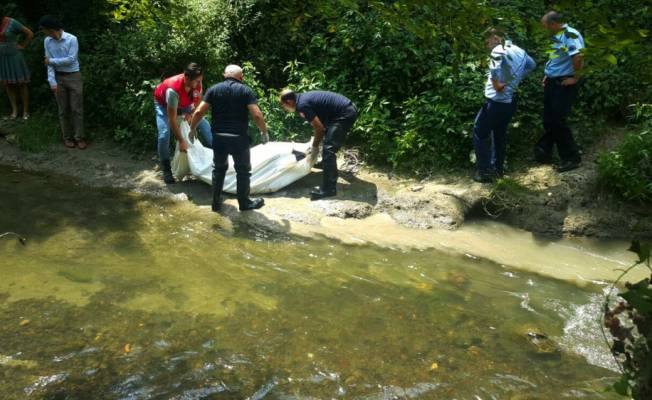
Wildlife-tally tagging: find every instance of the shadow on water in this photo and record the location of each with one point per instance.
(39, 206)
(188, 313)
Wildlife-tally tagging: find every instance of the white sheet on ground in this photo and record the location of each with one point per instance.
(273, 165)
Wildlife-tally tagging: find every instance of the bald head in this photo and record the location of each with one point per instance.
(233, 71)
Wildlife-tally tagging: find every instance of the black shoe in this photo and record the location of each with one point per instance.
(567, 166)
(318, 194)
(253, 204)
(216, 207)
(167, 172)
(483, 178)
(542, 157)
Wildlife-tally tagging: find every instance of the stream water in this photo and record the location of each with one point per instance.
(116, 296)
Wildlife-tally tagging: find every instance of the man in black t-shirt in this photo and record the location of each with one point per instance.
(231, 102)
(331, 116)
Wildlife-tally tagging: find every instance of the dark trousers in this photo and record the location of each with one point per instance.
(557, 103)
(238, 148)
(490, 134)
(333, 141)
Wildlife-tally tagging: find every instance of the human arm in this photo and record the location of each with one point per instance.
(259, 120)
(578, 64)
(174, 126)
(199, 113)
(498, 86)
(29, 35)
(69, 59)
(319, 130)
(495, 69)
(574, 43)
(50, 69)
(530, 65)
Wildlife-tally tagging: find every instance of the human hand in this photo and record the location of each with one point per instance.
(191, 135)
(500, 87)
(46, 61)
(264, 137)
(569, 81)
(187, 117)
(544, 81)
(314, 153)
(183, 146)
(54, 89)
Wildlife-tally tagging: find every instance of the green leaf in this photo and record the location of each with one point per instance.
(622, 386)
(612, 59)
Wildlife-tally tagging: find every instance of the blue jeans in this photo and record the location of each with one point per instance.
(489, 136)
(162, 123)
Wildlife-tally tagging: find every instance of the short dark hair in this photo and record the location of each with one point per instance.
(50, 22)
(494, 32)
(288, 95)
(554, 16)
(193, 71)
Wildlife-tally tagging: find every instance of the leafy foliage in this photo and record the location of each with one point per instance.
(629, 320)
(627, 170)
(415, 69)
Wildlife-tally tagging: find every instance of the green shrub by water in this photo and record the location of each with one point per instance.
(627, 170)
(414, 69)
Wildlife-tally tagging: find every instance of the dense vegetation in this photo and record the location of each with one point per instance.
(628, 168)
(414, 68)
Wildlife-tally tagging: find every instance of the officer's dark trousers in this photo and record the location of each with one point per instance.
(333, 140)
(557, 103)
(489, 136)
(238, 148)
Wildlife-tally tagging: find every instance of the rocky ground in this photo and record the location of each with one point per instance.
(535, 198)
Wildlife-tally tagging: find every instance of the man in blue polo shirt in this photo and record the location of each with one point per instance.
(331, 116)
(231, 102)
(561, 77)
(508, 65)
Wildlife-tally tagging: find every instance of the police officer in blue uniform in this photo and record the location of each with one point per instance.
(562, 75)
(508, 65)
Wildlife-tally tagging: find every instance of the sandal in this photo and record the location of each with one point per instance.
(11, 117)
(25, 116)
(82, 144)
(69, 143)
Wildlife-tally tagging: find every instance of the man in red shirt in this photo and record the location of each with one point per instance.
(176, 96)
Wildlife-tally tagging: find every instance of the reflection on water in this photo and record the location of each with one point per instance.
(120, 297)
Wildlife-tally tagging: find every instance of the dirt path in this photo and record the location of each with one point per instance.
(543, 201)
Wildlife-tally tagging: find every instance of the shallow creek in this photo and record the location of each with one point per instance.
(117, 296)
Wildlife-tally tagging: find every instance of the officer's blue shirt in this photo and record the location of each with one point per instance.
(229, 101)
(509, 64)
(566, 43)
(328, 106)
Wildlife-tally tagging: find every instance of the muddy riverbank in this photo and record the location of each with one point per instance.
(536, 199)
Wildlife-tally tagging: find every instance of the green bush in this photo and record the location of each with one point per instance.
(627, 170)
(414, 69)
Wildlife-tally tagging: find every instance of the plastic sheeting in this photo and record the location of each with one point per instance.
(273, 165)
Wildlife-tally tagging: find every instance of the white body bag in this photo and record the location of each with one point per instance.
(274, 165)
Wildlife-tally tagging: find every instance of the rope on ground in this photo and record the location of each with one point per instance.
(21, 239)
(352, 162)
